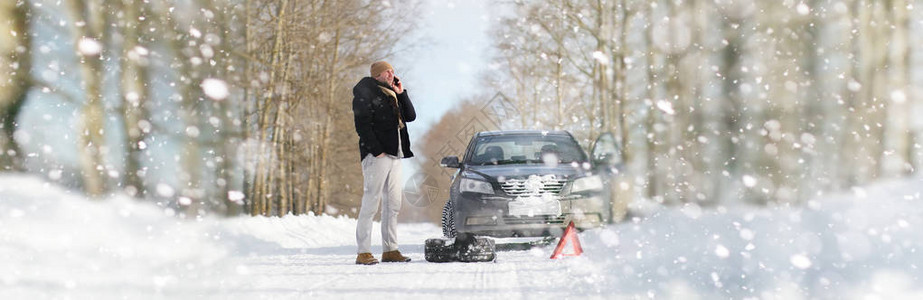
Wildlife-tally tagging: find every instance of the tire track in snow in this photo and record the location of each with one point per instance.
(327, 270)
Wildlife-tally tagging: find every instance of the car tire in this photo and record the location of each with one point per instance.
(439, 250)
(476, 249)
(448, 220)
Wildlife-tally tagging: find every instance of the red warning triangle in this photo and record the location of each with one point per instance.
(569, 238)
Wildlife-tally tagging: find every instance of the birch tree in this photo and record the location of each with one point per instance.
(90, 33)
(898, 151)
(15, 73)
(738, 100)
(134, 90)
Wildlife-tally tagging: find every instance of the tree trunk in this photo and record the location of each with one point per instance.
(15, 74)
(621, 88)
(89, 45)
(281, 138)
(331, 101)
(321, 181)
(731, 112)
(875, 85)
(895, 160)
(654, 149)
(135, 96)
(915, 91)
(261, 188)
(250, 102)
(279, 143)
(231, 128)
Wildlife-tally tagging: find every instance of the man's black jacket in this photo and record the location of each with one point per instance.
(376, 117)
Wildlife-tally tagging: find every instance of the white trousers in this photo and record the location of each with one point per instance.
(382, 179)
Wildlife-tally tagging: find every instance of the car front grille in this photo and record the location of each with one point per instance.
(533, 186)
(534, 220)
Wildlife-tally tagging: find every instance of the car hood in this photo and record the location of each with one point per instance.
(492, 173)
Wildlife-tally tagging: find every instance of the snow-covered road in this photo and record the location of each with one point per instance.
(329, 272)
(326, 275)
(865, 244)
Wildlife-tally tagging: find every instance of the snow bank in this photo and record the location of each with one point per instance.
(863, 244)
(866, 244)
(54, 242)
(291, 232)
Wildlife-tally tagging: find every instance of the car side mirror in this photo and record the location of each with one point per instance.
(605, 159)
(450, 162)
(606, 151)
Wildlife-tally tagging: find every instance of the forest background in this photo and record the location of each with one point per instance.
(243, 106)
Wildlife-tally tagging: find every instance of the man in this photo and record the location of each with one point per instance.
(381, 109)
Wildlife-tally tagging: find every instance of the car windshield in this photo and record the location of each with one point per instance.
(525, 149)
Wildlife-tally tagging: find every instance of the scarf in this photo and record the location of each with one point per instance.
(394, 104)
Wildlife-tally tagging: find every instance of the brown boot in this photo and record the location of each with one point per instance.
(366, 259)
(394, 256)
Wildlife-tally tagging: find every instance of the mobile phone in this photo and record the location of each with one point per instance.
(396, 81)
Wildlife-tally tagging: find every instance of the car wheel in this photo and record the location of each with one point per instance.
(438, 250)
(448, 220)
(477, 249)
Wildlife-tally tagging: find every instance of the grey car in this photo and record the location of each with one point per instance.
(530, 183)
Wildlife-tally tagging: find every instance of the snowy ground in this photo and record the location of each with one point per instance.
(865, 245)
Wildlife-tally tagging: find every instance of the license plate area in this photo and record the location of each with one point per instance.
(534, 206)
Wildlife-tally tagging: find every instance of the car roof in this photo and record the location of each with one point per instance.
(522, 132)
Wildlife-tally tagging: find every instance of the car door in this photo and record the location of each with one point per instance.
(607, 162)
(606, 151)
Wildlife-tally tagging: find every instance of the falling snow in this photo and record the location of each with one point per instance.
(215, 88)
(89, 47)
(770, 149)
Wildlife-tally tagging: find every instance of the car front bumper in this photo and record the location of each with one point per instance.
(489, 216)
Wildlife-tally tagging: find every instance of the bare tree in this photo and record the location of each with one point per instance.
(768, 102)
(90, 31)
(134, 91)
(898, 150)
(306, 55)
(15, 65)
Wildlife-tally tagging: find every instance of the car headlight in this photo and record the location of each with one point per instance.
(476, 186)
(589, 183)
